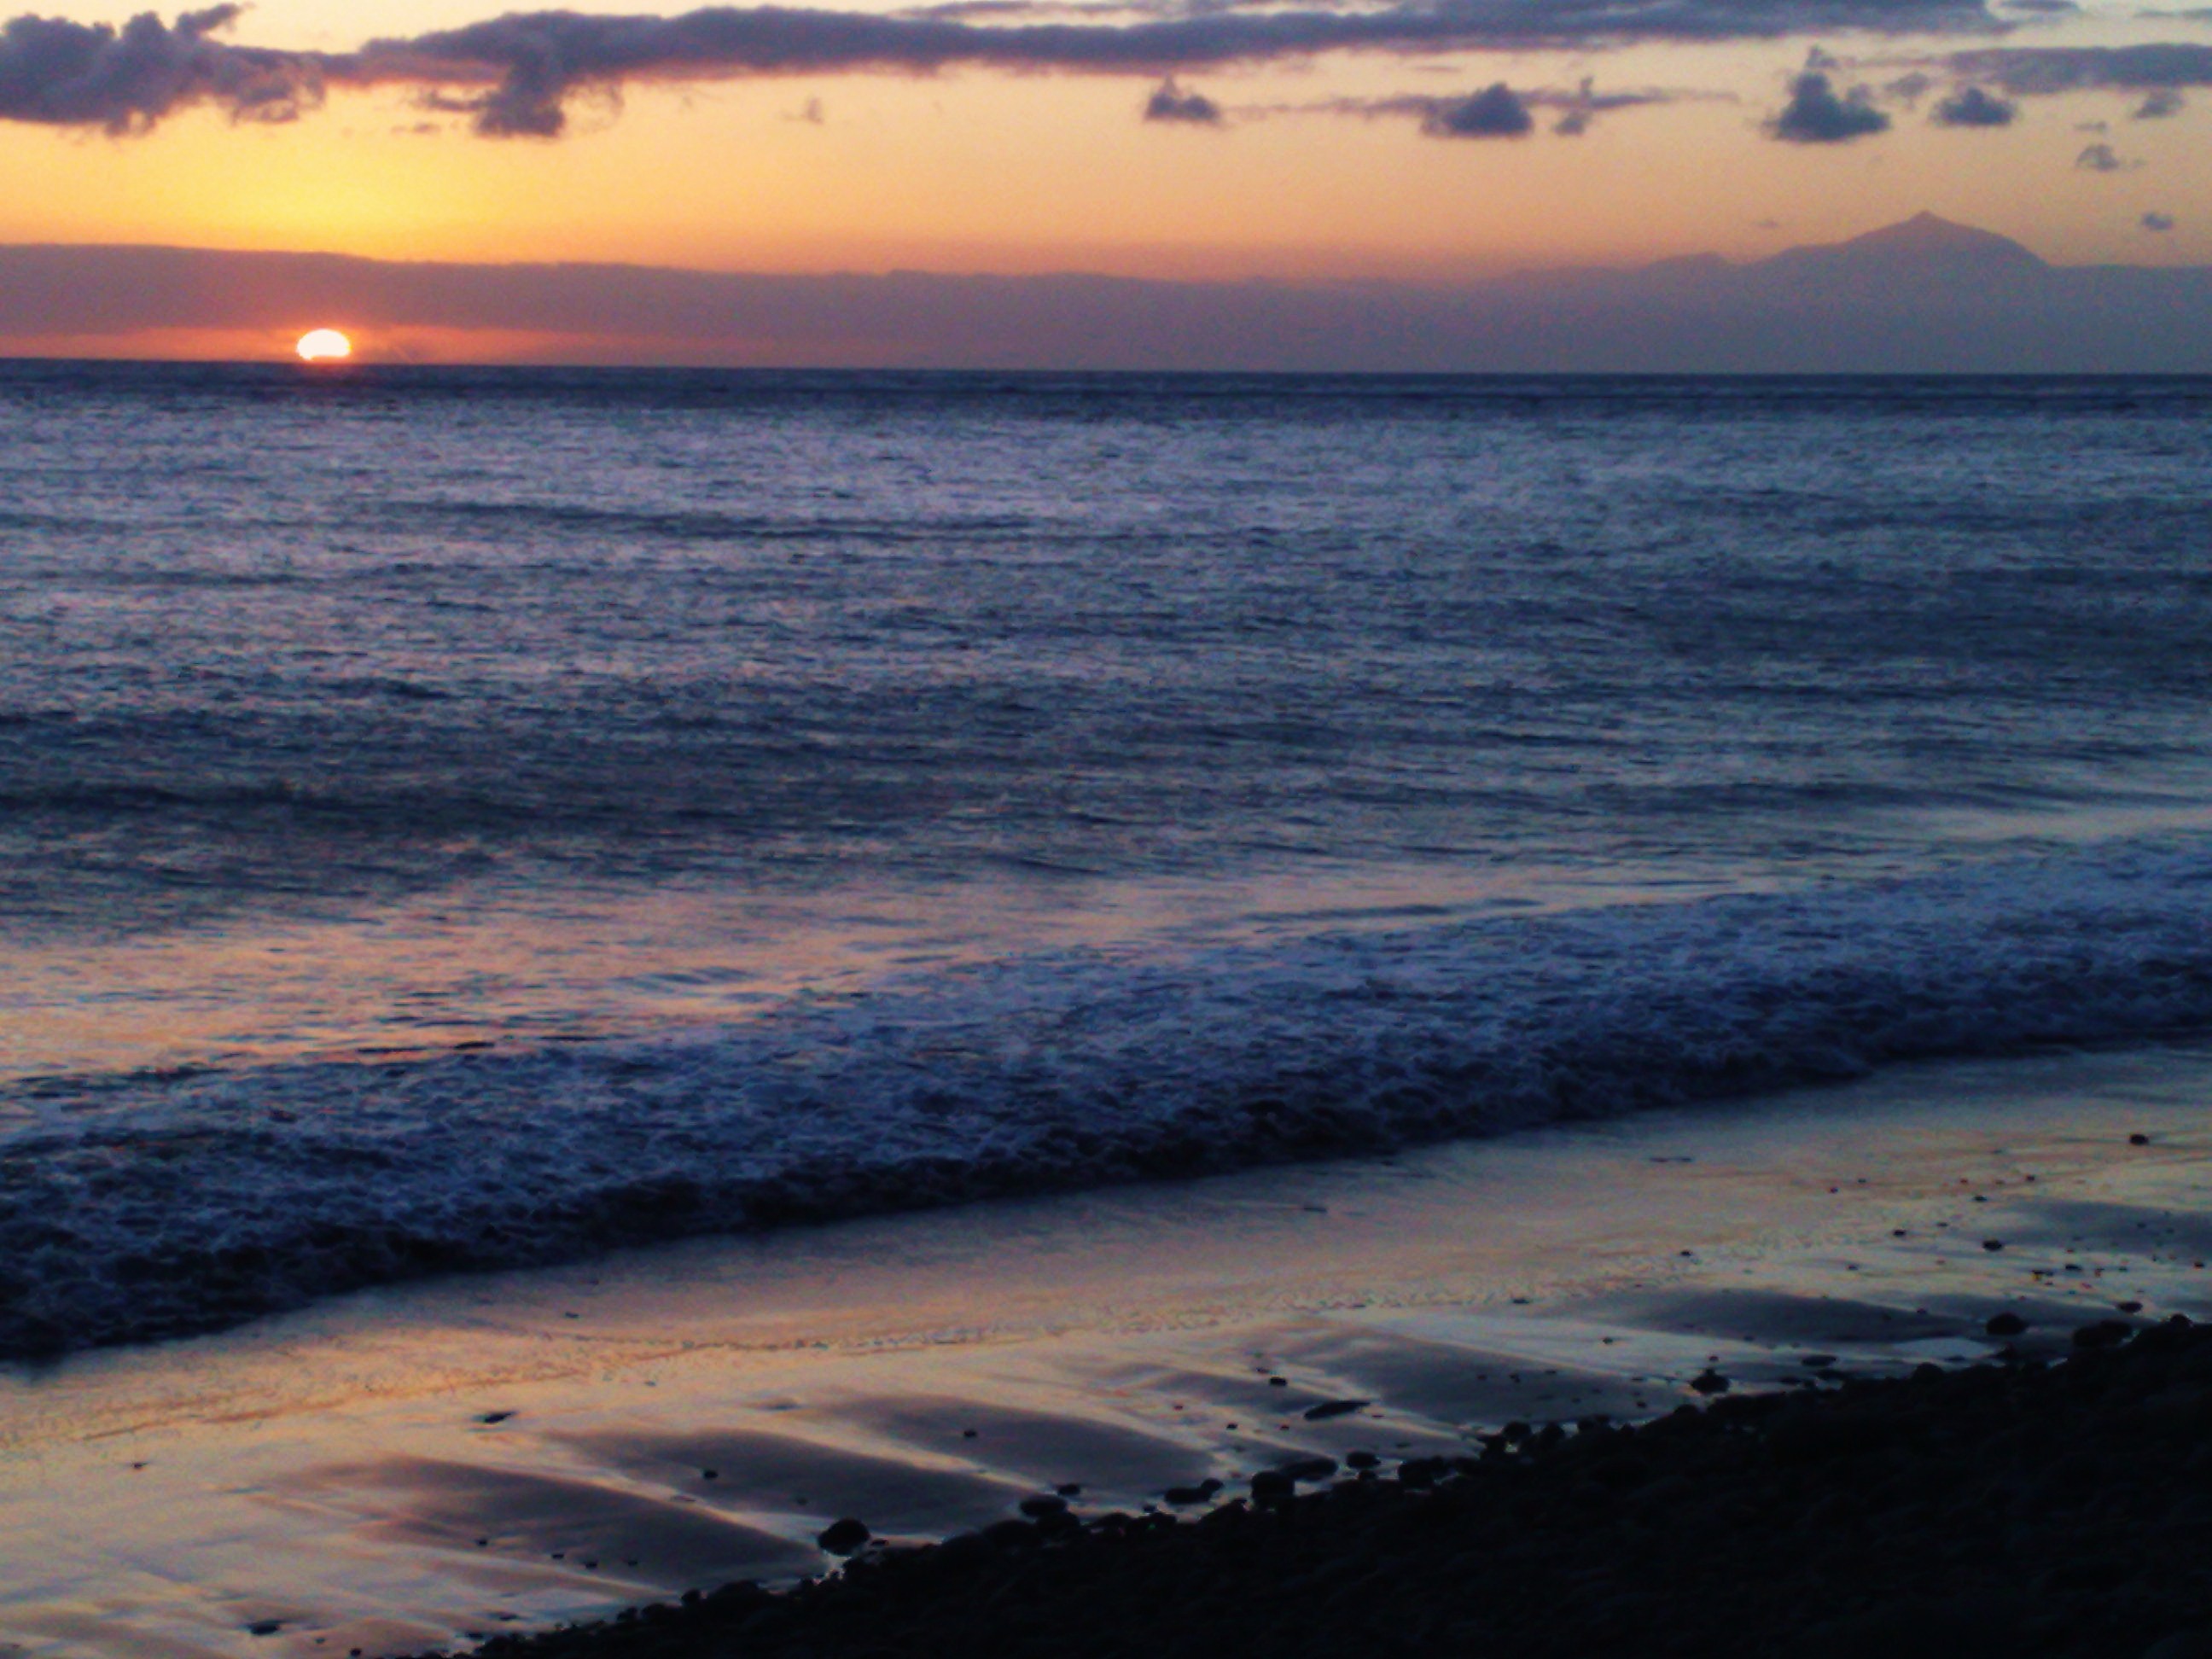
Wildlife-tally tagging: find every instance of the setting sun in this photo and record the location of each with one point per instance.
(324, 345)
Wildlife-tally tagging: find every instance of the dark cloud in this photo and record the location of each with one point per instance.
(1585, 104)
(968, 10)
(1970, 106)
(537, 59)
(2101, 158)
(2158, 223)
(1169, 102)
(2161, 103)
(1815, 115)
(125, 79)
(1496, 111)
(2042, 71)
(515, 74)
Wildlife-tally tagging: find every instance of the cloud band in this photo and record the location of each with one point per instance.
(514, 74)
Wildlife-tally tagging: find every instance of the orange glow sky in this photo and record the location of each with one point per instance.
(977, 169)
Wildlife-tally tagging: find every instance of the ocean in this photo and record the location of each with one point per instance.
(459, 819)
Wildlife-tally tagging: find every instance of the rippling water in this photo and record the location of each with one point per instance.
(428, 752)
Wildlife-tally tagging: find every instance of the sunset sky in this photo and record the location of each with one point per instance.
(1420, 141)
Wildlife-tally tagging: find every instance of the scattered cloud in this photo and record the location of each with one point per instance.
(2042, 71)
(1496, 111)
(1816, 115)
(1579, 108)
(2158, 223)
(1970, 106)
(515, 74)
(2161, 103)
(1169, 102)
(2102, 158)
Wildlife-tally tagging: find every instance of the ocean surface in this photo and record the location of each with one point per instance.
(459, 818)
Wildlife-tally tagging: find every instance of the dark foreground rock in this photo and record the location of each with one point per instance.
(2004, 1510)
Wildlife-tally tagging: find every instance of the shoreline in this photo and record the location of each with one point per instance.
(397, 1470)
(2003, 1508)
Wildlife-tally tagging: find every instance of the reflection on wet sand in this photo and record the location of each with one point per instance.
(411, 1467)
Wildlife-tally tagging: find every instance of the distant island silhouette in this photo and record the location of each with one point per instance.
(1923, 295)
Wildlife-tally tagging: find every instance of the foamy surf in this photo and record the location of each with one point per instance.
(138, 1206)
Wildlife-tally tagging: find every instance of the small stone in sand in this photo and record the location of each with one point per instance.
(1183, 1497)
(1329, 1408)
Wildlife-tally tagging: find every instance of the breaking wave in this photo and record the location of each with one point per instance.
(137, 1207)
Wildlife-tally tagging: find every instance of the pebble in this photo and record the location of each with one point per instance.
(1183, 1497)
(1329, 1408)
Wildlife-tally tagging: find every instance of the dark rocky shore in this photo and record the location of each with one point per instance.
(2028, 1507)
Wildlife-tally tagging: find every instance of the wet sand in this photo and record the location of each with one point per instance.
(2007, 1508)
(409, 1469)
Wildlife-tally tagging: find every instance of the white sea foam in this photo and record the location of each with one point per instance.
(137, 1207)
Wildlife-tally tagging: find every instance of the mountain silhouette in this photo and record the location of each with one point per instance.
(1920, 244)
(1923, 296)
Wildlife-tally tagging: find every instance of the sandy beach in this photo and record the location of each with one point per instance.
(432, 1466)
